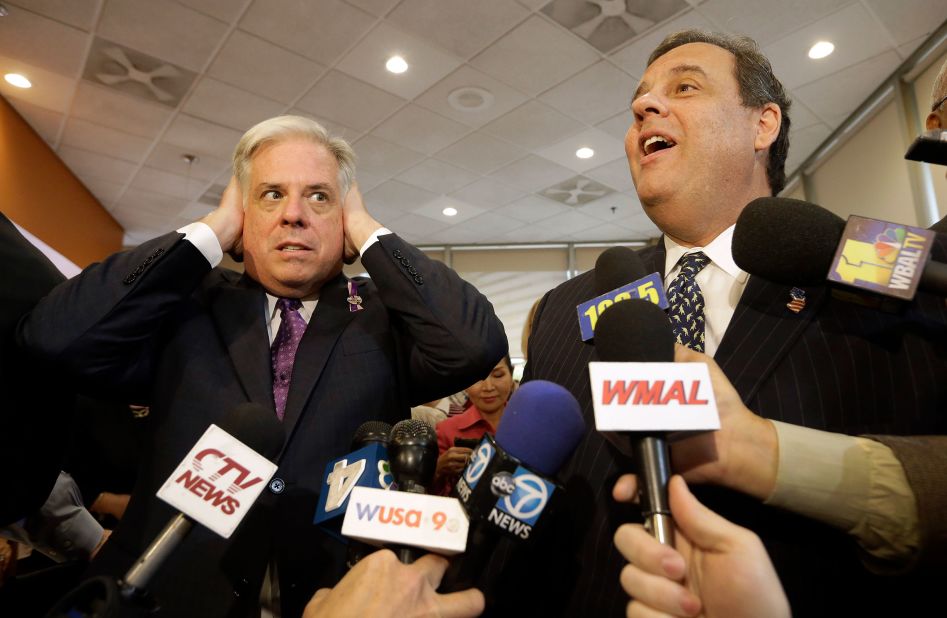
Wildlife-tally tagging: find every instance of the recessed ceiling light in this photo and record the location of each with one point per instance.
(18, 80)
(396, 64)
(585, 153)
(450, 211)
(821, 50)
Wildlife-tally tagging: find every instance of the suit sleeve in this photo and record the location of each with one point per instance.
(101, 327)
(451, 336)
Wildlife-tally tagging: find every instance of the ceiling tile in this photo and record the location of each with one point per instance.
(200, 137)
(534, 125)
(533, 208)
(434, 209)
(606, 148)
(537, 232)
(232, 107)
(85, 164)
(119, 111)
(488, 193)
(481, 153)
(836, 96)
(335, 129)
(247, 62)
(375, 7)
(766, 21)
(624, 205)
(417, 226)
(45, 122)
(368, 181)
(535, 56)
(614, 174)
(78, 13)
(463, 28)
(471, 97)
(533, 4)
(907, 20)
(593, 95)
(50, 90)
(607, 25)
(196, 211)
(296, 26)
(136, 73)
(421, 129)
(800, 115)
(104, 140)
(609, 232)
(576, 191)
(491, 224)
(617, 126)
(224, 10)
(377, 156)
(141, 201)
(437, 176)
(163, 29)
(170, 158)
(532, 173)
(633, 58)
(165, 183)
(456, 235)
(104, 191)
(349, 101)
(569, 222)
(426, 64)
(42, 42)
(642, 228)
(393, 199)
(803, 143)
(857, 37)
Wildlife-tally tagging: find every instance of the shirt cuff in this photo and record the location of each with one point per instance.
(373, 239)
(201, 236)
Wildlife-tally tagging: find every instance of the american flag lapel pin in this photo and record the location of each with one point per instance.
(354, 300)
(797, 300)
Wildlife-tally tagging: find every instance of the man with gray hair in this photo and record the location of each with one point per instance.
(162, 324)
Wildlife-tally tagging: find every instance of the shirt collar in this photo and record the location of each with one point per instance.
(470, 418)
(306, 311)
(718, 250)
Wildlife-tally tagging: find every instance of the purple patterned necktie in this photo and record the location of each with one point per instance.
(283, 350)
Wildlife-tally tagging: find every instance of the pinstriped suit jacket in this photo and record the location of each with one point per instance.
(835, 366)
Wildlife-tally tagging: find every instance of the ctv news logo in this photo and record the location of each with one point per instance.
(214, 489)
(522, 498)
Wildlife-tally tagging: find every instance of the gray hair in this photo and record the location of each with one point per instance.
(939, 89)
(283, 127)
(758, 86)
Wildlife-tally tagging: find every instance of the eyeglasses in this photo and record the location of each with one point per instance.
(938, 104)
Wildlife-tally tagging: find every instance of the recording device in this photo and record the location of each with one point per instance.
(797, 243)
(507, 489)
(215, 485)
(470, 443)
(638, 391)
(929, 147)
(620, 275)
(412, 453)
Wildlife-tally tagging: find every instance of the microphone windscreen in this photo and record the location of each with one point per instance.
(634, 331)
(369, 432)
(541, 426)
(617, 266)
(786, 241)
(940, 227)
(412, 431)
(256, 426)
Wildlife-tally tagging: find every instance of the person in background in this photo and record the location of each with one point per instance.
(488, 399)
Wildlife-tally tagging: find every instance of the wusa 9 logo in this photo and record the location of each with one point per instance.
(207, 479)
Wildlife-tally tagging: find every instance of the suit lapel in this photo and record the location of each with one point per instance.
(238, 311)
(762, 331)
(330, 319)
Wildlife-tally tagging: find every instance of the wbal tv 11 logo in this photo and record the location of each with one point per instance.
(522, 498)
(881, 257)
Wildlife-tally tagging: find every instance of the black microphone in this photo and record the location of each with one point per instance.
(617, 266)
(412, 457)
(929, 147)
(250, 423)
(507, 489)
(639, 332)
(795, 243)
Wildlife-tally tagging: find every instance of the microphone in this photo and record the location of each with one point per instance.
(620, 274)
(412, 452)
(638, 332)
(506, 489)
(929, 147)
(797, 243)
(215, 485)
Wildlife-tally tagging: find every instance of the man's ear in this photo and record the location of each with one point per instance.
(933, 121)
(767, 129)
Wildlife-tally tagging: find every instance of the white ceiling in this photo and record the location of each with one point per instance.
(223, 65)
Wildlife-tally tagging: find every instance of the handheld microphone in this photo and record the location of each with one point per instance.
(620, 274)
(797, 243)
(929, 147)
(506, 489)
(637, 332)
(215, 485)
(412, 452)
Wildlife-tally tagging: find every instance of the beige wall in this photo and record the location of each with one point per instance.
(38, 192)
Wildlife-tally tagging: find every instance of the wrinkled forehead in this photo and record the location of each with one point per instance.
(704, 59)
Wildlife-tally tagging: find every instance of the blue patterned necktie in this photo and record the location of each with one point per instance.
(686, 302)
(283, 350)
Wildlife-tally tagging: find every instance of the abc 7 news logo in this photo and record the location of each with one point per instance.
(502, 484)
